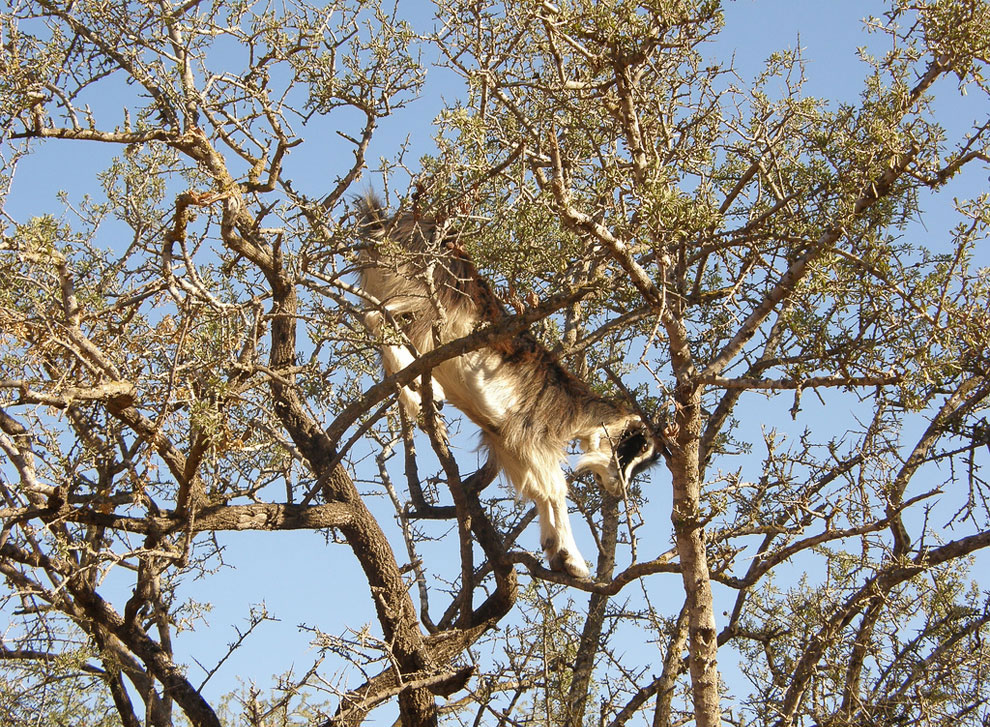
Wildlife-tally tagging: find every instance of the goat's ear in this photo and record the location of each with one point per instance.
(656, 431)
(663, 442)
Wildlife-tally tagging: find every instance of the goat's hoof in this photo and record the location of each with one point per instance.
(565, 562)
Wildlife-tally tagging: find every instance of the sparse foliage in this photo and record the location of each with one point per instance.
(182, 355)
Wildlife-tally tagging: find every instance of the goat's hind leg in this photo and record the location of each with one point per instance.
(396, 357)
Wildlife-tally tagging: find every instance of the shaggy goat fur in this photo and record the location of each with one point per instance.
(529, 408)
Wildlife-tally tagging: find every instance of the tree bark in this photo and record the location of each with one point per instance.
(393, 604)
(690, 538)
(589, 646)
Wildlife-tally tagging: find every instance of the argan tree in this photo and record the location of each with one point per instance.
(755, 270)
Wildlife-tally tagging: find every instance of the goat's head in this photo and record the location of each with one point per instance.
(618, 454)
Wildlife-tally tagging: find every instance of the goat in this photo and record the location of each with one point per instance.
(528, 407)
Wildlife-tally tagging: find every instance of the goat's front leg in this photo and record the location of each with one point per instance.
(556, 536)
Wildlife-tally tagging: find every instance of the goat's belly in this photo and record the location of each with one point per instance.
(480, 385)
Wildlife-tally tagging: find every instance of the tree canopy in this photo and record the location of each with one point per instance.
(757, 270)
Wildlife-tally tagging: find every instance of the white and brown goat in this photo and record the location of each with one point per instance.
(529, 408)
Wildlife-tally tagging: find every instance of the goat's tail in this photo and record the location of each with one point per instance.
(372, 215)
